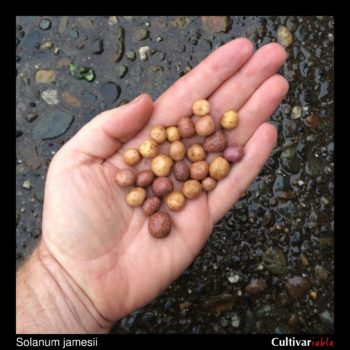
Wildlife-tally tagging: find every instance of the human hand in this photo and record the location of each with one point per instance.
(103, 244)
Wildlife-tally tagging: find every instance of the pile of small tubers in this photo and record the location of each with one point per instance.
(194, 174)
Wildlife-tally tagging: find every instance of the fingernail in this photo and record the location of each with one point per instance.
(136, 99)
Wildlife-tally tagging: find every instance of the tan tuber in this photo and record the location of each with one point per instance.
(229, 120)
(175, 200)
(149, 149)
(219, 168)
(158, 133)
(161, 165)
(177, 150)
(192, 189)
(136, 196)
(131, 156)
(201, 107)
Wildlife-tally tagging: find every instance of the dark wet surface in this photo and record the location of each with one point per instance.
(280, 232)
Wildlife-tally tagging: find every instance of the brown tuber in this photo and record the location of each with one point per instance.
(205, 126)
(177, 150)
(125, 177)
(159, 224)
(181, 171)
(208, 184)
(234, 153)
(162, 186)
(186, 127)
(151, 205)
(216, 142)
(199, 170)
(144, 178)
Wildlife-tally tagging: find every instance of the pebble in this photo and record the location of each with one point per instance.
(256, 286)
(288, 153)
(80, 45)
(88, 96)
(312, 121)
(303, 260)
(62, 26)
(219, 303)
(97, 46)
(215, 24)
(27, 150)
(287, 109)
(296, 112)
(327, 319)
(293, 321)
(46, 45)
(39, 194)
(19, 132)
(70, 99)
(233, 278)
(249, 322)
(45, 76)
(45, 24)
(110, 91)
(112, 20)
(52, 125)
(284, 36)
(122, 70)
(119, 52)
(301, 183)
(297, 287)
(50, 97)
(143, 52)
(324, 201)
(63, 62)
(275, 261)
(273, 202)
(140, 34)
(314, 165)
(179, 22)
(131, 55)
(73, 34)
(313, 294)
(31, 117)
(86, 22)
(321, 273)
(31, 40)
(27, 185)
(235, 320)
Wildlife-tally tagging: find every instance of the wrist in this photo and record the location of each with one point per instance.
(49, 301)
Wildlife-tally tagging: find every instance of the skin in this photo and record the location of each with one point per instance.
(96, 261)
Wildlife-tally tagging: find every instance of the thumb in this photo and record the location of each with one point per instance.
(104, 134)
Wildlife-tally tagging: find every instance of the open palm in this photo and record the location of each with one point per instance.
(102, 243)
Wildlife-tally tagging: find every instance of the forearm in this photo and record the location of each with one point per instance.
(49, 301)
